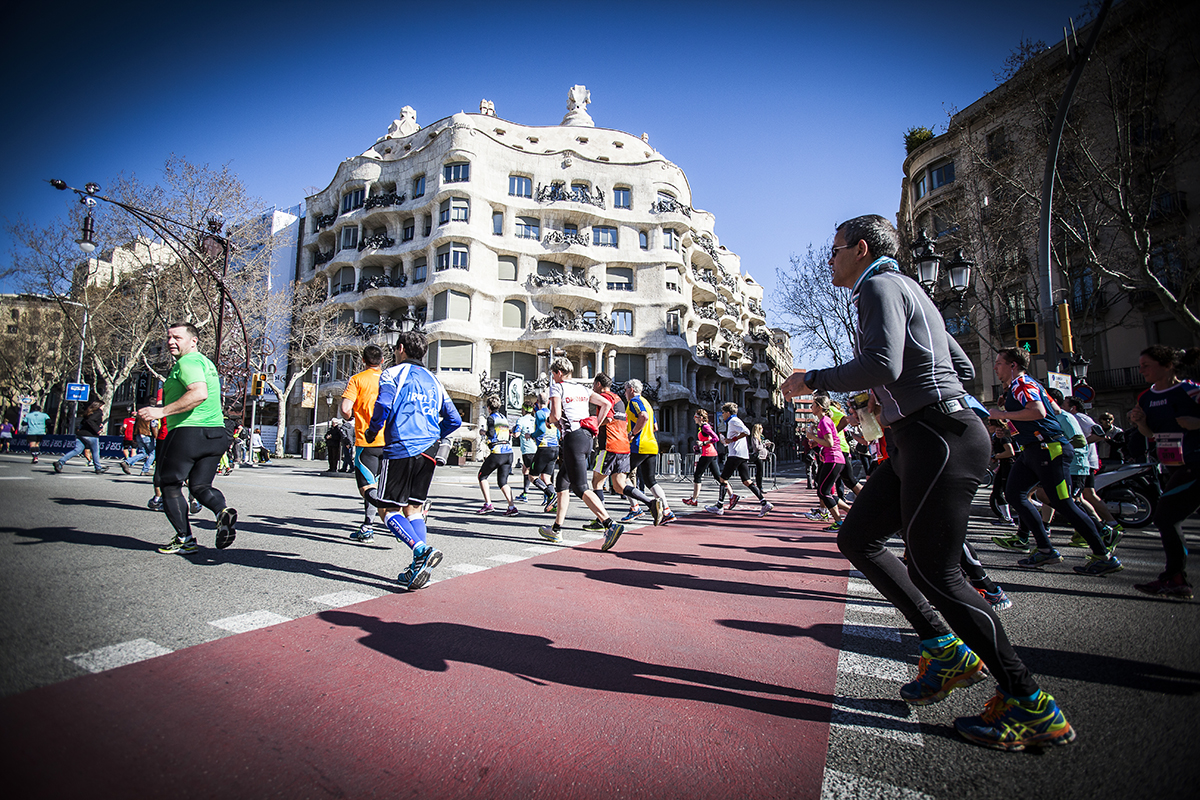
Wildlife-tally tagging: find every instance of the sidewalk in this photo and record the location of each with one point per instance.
(694, 660)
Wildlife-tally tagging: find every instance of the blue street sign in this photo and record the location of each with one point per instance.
(77, 392)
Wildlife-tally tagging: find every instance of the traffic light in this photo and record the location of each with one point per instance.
(256, 384)
(1027, 338)
(1064, 328)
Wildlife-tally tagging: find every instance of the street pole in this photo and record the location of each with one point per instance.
(316, 405)
(79, 368)
(1045, 267)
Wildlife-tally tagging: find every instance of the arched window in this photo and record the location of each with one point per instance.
(622, 319)
(629, 365)
(343, 282)
(449, 355)
(507, 266)
(451, 305)
(514, 314)
(514, 361)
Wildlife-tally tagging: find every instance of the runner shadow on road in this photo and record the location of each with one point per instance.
(744, 565)
(1143, 676)
(65, 535)
(431, 646)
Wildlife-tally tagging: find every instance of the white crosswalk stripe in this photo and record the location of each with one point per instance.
(339, 599)
(249, 622)
(118, 655)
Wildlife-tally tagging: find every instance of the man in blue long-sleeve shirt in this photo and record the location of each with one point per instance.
(414, 412)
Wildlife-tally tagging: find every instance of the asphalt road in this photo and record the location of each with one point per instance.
(81, 574)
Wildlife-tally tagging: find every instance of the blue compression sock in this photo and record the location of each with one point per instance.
(418, 528)
(402, 528)
(940, 642)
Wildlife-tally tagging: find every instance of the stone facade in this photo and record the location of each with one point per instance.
(513, 243)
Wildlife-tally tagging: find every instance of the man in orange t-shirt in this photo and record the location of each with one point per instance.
(358, 403)
(612, 461)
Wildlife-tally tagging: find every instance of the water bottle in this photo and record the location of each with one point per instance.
(443, 452)
(867, 422)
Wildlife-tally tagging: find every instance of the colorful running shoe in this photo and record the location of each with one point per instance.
(426, 557)
(938, 674)
(1014, 543)
(997, 600)
(178, 545)
(155, 503)
(486, 509)
(365, 533)
(611, 535)
(1010, 724)
(766, 509)
(523, 498)
(733, 500)
(819, 515)
(1038, 559)
(411, 579)
(1100, 565)
(1112, 534)
(835, 526)
(511, 512)
(688, 501)
(669, 516)
(716, 509)
(657, 512)
(226, 532)
(551, 504)
(1077, 540)
(1167, 586)
(548, 533)
(594, 526)
(635, 513)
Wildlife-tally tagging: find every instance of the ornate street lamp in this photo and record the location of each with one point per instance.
(1079, 367)
(960, 273)
(926, 261)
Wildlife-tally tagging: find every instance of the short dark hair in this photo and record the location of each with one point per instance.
(415, 344)
(603, 380)
(372, 355)
(879, 234)
(1170, 357)
(1015, 356)
(730, 408)
(1055, 395)
(1074, 403)
(191, 329)
(493, 402)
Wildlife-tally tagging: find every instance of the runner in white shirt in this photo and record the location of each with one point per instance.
(737, 437)
(1089, 426)
(569, 410)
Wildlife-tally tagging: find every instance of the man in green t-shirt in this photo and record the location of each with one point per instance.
(196, 439)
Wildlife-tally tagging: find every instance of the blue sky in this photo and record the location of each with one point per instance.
(786, 117)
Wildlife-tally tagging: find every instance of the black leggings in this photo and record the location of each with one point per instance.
(1180, 499)
(190, 454)
(573, 452)
(1003, 467)
(706, 463)
(925, 489)
(827, 476)
(1048, 466)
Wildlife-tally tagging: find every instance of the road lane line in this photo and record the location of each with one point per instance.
(249, 622)
(118, 655)
(346, 598)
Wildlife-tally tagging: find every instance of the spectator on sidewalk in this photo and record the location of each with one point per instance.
(87, 437)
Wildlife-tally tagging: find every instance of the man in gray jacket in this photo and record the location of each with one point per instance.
(938, 450)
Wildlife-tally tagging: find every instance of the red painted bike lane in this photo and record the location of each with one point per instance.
(694, 660)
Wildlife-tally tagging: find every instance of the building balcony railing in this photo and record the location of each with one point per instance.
(1119, 378)
(325, 220)
(665, 205)
(707, 311)
(566, 279)
(379, 240)
(323, 258)
(558, 192)
(561, 321)
(382, 200)
(381, 281)
(558, 237)
(705, 244)
(341, 288)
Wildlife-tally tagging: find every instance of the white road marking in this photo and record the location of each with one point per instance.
(249, 622)
(844, 786)
(466, 569)
(339, 599)
(886, 633)
(886, 669)
(118, 655)
(861, 588)
(877, 718)
(504, 558)
(16, 477)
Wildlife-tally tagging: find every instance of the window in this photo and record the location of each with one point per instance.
(419, 269)
(643, 240)
(941, 175)
(349, 237)
(919, 186)
(675, 369)
(344, 282)
(448, 355)
(409, 228)
(458, 172)
(670, 239)
(570, 229)
(507, 268)
(619, 279)
(666, 420)
(520, 186)
(498, 223)
(418, 186)
(513, 315)
(622, 320)
(369, 317)
(454, 209)
(352, 200)
(629, 366)
(622, 198)
(579, 187)
(450, 255)
(428, 220)
(514, 361)
(548, 268)
(528, 228)
(673, 327)
(604, 236)
(451, 305)
(943, 226)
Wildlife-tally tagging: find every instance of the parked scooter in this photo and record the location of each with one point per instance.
(1131, 492)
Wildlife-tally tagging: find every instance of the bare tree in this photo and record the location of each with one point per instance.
(816, 313)
(35, 357)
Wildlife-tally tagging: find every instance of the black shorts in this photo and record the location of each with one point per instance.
(574, 450)
(643, 464)
(739, 465)
(188, 453)
(544, 461)
(528, 460)
(499, 463)
(367, 462)
(1089, 480)
(405, 481)
(34, 438)
(607, 463)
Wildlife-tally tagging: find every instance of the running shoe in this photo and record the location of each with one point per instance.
(548, 533)
(1011, 724)
(57, 467)
(194, 506)
(1077, 540)
(658, 512)
(635, 513)
(226, 522)
(938, 674)
(522, 498)
(486, 509)
(819, 516)
(551, 505)
(714, 509)
(1167, 586)
(1100, 565)
(834, 527)
(688, 501)
(1015, 543)
(411, 580)
(594, 526)
(766, 509)
(1112, 535)
(511, 512)
(1038, 559)
(34, 461)
(426, 557)
(997, 600)
(155, 503)
(733, 500)
(365, 533)
(178, 545)
(125, 468)
(611, 535)
(669, 516)
(103, 468)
